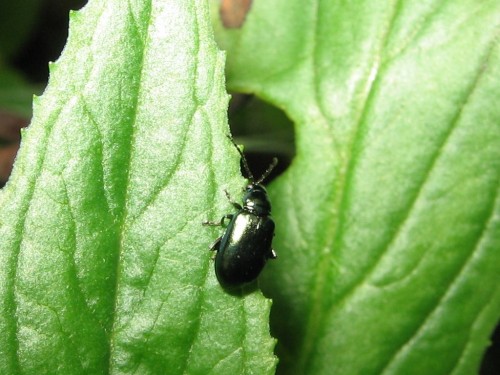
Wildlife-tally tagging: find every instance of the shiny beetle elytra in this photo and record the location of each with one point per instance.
(246, 245)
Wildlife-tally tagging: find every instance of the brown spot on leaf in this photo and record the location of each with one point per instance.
(234, 12)
(10, 126)
(7, 156)
(10, 135)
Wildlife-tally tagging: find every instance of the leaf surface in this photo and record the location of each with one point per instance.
(105, 263)
(388, 221)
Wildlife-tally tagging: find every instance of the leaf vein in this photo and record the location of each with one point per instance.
(476, 248)
(93, 122)
(201, 295)
(316, 316)
(19, 240)
(119, 255)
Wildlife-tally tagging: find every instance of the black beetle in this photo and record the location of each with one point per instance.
(245, 246)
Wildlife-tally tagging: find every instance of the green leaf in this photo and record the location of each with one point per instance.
(105, 262)
(388, 221)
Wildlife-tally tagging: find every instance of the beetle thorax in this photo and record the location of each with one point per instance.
(256, 201)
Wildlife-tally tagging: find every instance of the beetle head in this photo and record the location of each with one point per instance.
(256, 201)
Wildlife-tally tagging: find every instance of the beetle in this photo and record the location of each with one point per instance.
(246, 245)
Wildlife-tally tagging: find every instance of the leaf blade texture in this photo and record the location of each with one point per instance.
(388, 217)
(105, 263)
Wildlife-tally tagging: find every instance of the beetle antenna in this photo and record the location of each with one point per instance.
(268, 171)
(243, 158)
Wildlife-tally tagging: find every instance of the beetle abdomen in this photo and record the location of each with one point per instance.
(244, 249)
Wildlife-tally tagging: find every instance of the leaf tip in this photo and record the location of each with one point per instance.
(74, 15)
(52, 67)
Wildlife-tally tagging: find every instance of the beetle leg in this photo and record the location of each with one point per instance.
(228, 216)
(273, 254)
(212, 223)
(235, 204)
(218, 223)
(215, 246)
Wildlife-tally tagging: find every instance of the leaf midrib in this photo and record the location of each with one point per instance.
(317, 314)
(122, 225)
